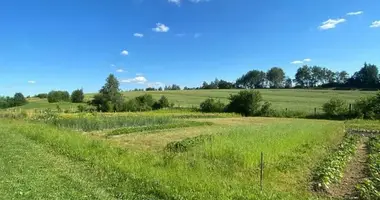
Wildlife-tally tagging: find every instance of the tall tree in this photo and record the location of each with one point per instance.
(288, 83)
(367, 77)
(77, 96)
(303, 76)
(276, 77)
(252, 79)
(109, 98)
(19, 99)
(342, 77)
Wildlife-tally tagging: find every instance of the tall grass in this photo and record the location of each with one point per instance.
(101, 122)
(225, 167)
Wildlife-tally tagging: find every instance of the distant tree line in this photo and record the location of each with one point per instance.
(305, 77)
(17, 100)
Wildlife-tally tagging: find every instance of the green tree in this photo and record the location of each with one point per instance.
(163, 102)
(109, 98)
(77, 96)
(57, 96)
(19, 99)
(212, 105)
(303, 76)
(246, 102)
(252, 79)
(288, 83)
(367, 77)
(276, 77)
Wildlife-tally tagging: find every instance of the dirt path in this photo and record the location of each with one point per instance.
(354, 174)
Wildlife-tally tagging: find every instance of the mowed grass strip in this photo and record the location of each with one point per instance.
(224, 168)
(139, 129)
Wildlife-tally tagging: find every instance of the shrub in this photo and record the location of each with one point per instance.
(266, 110)
(141, 103)
(19, 99)
(335, 107)
(246, 102)
(77, 96)
(86, 108)
(211, 105)
(368, 108)
(42, 95)
(57, 96)
(163, 102)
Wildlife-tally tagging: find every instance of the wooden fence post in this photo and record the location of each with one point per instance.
(261, 171)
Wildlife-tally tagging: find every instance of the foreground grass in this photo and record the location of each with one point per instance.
(224, 168)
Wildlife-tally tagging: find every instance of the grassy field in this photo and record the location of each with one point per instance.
(59, 163)
(292, 99)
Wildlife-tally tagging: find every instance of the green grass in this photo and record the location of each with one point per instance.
(62, 164)
(292, 99)
(363, 124)
(151, 128)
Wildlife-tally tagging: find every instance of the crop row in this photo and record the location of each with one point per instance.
(370, 187)
(331, 169)
(134, 129)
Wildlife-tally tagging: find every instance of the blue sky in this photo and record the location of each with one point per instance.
(46, 45)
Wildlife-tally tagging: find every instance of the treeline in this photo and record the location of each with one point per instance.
(77, 96)
(306, 77)
(17, 100)
(250, 103)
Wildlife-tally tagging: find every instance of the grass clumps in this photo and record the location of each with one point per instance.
(186, 144)
(370, 188)
(331, 169)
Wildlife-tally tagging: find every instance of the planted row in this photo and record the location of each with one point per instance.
(370, 187)
(179, 124)
(330, 171)
(186, 144)
(101, 122)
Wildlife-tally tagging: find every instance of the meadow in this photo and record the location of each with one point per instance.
(177, 153)
(301, 100)
(97, 165)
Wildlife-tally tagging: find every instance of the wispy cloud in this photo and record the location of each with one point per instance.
(197, 35)
(139, 74)
(161, 28)
(155, 84)
(355, 13)
(296, 62)
(124, 53)
(140, 35)
(31, 82)
(112, 65)
(375, 24)
(177, 2)
(331, 23)
(120, 70)
(180, 34)
(136, 80)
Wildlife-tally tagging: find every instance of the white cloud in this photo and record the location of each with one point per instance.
(112, 65)
(120, 70)
(161, 28)
(155, 84)
(139, 74)
(178, 2)
(355, 13)
(307, 60)
(375, 24)
(124, 53)
(197, 35)
(331, 23)
(296, 62)
(31, 82)
(137, 79)
(140, 35)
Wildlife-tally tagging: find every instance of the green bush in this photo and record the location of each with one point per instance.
(19, 99)
(77, 96)
(335, 107)
(57, 96)
(246, 103)
(42, 95)
(266, 110)
(368, 108)
(163, 102)
(212, 105)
